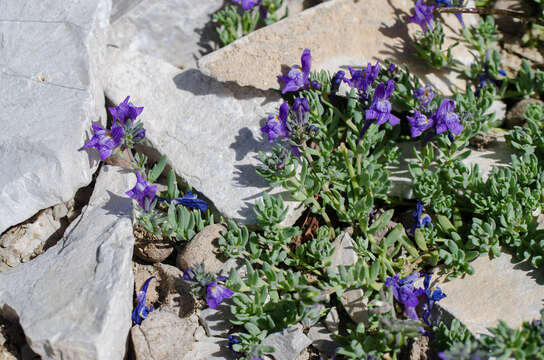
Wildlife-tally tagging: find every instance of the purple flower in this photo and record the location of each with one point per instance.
(448, 3)
(392, 68)
(381, 107)
(189, 275)
(233, 341)
(190, 200)
(425, 95)
(301, 108)
(486, 77)
(423, 15)
(404, 293)
(216, 293)
(419, 123)
(298, 77)
(422, 219)
(363, 79)
(432, 297)
(125, 111)
(316, 85)
(143, 192)
(141, 311)
(445, 119)
(247, 4)
(105, 141)
(276, 126)
(337, 80)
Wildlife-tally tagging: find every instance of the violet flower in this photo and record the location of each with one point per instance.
(141, 311)
(189, 275)
(486, 77)
(337, 80)
(445, 119)
(419, 123)
(189, 200)
(105, 141)
(316, 85)
(422, 219)
(299, 76)
(448, 3)
(125, 111)
(276, 125)
(233, 341)
(423, 15)
(404, 293)
(380, 108)
(432, 298)
(392, 68)
(216, 293)
(301, 108)
(247, 4)
(143, 192)
(425, 95)
(363, 79)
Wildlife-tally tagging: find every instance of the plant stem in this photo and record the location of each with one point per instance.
(486, 11)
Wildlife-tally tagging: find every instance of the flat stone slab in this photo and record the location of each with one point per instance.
(500, 289)
(176, 31)
(288, 343)
(50, 55)
(75, 300)
(496, 154)
(339, 33)
(209, 130)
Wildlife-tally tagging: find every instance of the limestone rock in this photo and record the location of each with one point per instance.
(322, 340)
(141, 274)
(210, 131)
(51, 93)
(332, 321)
(509, 24)
(75, 300)
(516, 115)
(369, 30)
(209, 348)
(176, 31)
(175, 292)
(203, 248)
(496, 154)
(353, 300)
(216, 322)
(162, 335)
(288, 343)
(500, 289)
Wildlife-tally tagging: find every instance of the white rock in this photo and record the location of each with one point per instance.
(321, 339)
(216, 322)
(288, 343)
(75, 300)
(496, 154)
(176, 31)
(209, 130)
(353, 300)
(500, 289)
(50, 56)
(210, 348)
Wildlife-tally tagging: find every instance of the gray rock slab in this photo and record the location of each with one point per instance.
(500, 289)
(322, 340)
(496, 154)
(209, 130)
(288, 343)
(369, 30)
(209, 348)
(75, 300)
(216, 322)
(203, 248)
(51, 53)
(353, 300)
(176, 31)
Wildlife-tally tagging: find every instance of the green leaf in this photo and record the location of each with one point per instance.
(157, 169)
(420, 240)
(381, 222)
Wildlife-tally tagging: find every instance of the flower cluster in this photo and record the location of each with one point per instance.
(407, 295)
(423, 15)
(422, 219)
(208, 283)
(125, 131)
(298, 77)
(444, 119)
(247, 4)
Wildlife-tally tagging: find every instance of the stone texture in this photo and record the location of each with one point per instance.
(176, 31)
(209, 348)
(332, 321)
(203, 248)
(288, 343)
(25, 241)
(141, 274)
(500, 289)
(322, 340)
(515, 116)
(495, 154)
(209, 130)
(162, 335)
(369, 30)
(175, 293)
(353, 300)
(216, 322)
(509, 24)
(75, 300)
(51, 93)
